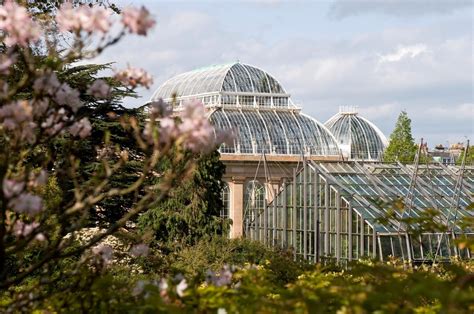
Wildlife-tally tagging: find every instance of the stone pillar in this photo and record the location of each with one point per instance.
(236, 187)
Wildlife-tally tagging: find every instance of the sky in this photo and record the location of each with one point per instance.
(381, 56)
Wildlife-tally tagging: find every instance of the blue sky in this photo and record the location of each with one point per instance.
(382, 56)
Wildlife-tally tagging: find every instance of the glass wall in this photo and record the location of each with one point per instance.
(341, 211)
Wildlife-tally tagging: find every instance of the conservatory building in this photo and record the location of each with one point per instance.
(320, 189)
(272, 135)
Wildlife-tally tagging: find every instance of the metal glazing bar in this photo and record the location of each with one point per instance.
(285, 215)
(294, 216)
(374, 243)
(316, 217)
(265, 221)
(305, 212)
(274, 219)
(349, 229)
(326, 219)
(338, 226)
(362, 227)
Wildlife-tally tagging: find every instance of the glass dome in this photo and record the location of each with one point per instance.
(255, 107)
(232, 84)
(274, 132)
(358, 138)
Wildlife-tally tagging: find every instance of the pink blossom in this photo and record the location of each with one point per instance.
(81, 128)
(40, 106)
(16, 22)
(27, 203)
(47, 84)
(21, 229)
(139, 250)
(6, 61)
(196, 129)
(68, 96)
(99, 89)
(137, 21)
(83, 18)
(104, 251)
(12, 188)
(181, 287)
(160, 109)
(134, 77)
(54, 123)
(18, 118)
(38, 179)
(168, 131)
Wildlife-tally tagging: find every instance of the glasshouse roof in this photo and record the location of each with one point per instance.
(252, 104)
(232, 77)
(358, 138)
(233, 84)
(274, 132)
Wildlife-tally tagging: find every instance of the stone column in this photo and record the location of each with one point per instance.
(236, 186)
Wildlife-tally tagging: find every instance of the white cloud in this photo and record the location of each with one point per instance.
(403, 52)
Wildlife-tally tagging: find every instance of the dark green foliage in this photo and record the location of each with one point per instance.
(191, 211)
(402, 146)
(105, 117)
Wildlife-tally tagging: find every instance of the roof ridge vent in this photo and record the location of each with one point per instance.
(348, 110)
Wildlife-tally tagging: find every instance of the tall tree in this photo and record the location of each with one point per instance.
(192, 211)
(402, 146)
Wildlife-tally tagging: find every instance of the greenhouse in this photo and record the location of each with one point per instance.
(358, 138)
(252, 104)
(347, 210)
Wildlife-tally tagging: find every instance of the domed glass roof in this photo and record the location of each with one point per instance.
(255, 107)
(274, 132)
(234, 84)
(358, 138)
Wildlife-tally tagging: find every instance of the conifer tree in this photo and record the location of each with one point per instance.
(402, 146)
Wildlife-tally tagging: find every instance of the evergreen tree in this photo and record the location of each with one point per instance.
(192, 211)
(402, 146)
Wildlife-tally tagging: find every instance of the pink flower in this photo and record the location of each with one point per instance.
(38, 179)
(6, 61)
(196, 129)
(104, 251)
(81, 128)
(137, 21)
(83, 18)
(160, 109)
(12, 188)
(134, 77)
(16, 22)
(27, 203)
(17, 117)
(47, 84)
(181, 287)
(20, 229)
(139, 250)
(99, 89)
(54, 123)
(68, 96)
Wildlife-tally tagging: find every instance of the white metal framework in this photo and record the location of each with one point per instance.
(342, 211)
(358, 138)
